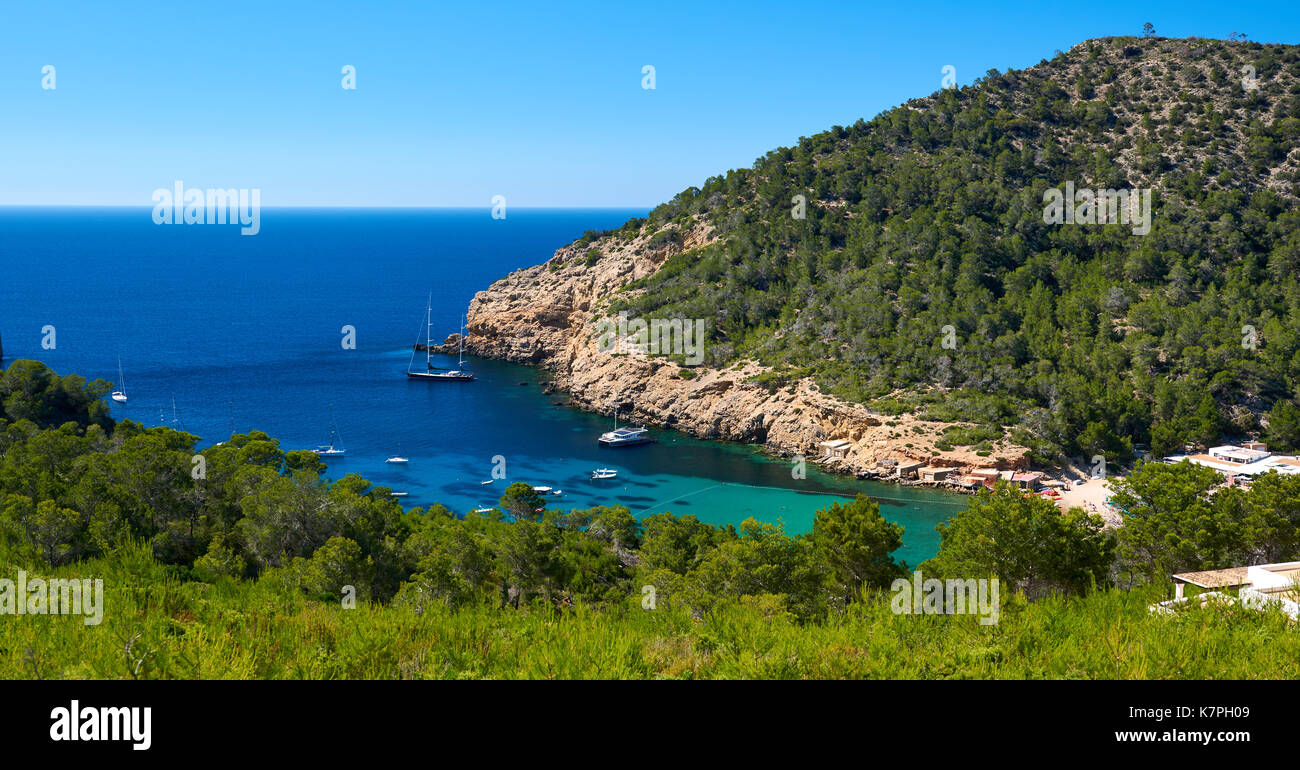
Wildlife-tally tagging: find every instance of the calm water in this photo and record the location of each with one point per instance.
(245, 332)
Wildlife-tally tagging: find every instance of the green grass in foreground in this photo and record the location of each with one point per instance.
(157, 626)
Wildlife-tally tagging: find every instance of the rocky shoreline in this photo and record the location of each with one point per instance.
(546, 316)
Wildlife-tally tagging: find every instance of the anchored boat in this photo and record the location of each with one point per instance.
(624, 436)
(431, 372)
(331, 450)
(119, 395)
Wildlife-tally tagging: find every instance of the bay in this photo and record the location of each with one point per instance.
(245, 332)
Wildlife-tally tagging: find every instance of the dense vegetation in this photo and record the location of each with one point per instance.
(1071, 339)
(240, 560)
(159, 626)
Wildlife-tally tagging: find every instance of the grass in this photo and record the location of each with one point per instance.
(157, 625)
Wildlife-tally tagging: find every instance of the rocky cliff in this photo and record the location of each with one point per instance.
(546, 315)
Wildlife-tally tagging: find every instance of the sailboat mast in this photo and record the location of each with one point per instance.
(460, 345)
(428, 334)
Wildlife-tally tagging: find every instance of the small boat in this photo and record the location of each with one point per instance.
(459, 374)
(604, 473)
(399, 494)
(489, 481)
(397, 460)
(558, 492)
(331, 450)
(119, 395)
(540, 490)
(624, 436)
(483, 510)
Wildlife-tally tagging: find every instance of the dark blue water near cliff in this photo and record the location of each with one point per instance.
(246, 330)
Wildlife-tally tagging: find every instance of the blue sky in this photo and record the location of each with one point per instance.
(456, 103)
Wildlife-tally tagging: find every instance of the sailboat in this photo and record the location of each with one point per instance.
(119, 395)
(455, 375)
(399, 458)
(331, 450)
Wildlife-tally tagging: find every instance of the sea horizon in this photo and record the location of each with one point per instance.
(272, 308)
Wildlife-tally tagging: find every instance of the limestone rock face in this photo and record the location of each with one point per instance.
(546, 315)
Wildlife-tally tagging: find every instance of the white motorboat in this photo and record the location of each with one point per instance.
(625, 437)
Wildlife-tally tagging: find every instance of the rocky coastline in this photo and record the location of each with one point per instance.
(546, 316)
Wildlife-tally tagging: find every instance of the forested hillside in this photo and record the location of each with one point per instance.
(1075, 338)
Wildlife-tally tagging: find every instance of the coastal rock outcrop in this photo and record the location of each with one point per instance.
(547, 315)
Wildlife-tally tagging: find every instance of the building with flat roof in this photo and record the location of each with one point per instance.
(907, 468)
(936, 473)
(1236, 454)
(837, 448)
(1027, 480)
(1249, 460)
(1258, 587)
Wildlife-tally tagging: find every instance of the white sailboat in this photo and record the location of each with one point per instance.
(331, 450)
(119, 395)
(459, 374)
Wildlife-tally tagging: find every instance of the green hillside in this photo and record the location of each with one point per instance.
(1075, 338)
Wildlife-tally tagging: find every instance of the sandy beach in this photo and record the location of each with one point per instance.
(1090, 495)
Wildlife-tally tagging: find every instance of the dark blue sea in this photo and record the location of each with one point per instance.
(244, 332)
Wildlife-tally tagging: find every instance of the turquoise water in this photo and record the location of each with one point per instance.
(244, 332)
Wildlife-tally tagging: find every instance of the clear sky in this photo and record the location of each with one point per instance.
(541, 102)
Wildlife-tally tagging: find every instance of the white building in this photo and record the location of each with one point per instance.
(1258, 587)
(1250, 460)
(1273, 585)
